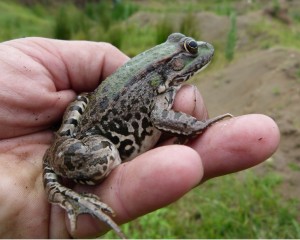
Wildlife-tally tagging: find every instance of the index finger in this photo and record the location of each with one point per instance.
(236, 144)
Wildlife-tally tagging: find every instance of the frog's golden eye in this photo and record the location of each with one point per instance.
(190, 46)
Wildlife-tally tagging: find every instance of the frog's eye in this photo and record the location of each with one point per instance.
(190, 46)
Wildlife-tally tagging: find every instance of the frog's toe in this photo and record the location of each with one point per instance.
(72, 215)
(88, 203)
(94, 199)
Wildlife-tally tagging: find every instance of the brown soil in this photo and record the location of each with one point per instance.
(263, 82)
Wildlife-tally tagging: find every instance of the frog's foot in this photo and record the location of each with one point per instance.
(181, 124)
(202, 125)
(76, 204)
(211, 121)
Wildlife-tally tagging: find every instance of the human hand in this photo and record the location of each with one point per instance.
(39, 77)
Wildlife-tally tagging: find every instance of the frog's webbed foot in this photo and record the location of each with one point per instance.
(86, 203)
(77, 203)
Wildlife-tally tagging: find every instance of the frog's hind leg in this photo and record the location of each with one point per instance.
(86, 161)
(75, 203)
(73, 115)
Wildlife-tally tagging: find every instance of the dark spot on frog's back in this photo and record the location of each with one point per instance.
(137, 116)
(128, 117)
(135, 125)
(135, 101)
(123, 102)
(112, 112)
(146, 123)
(103, 104)
(143, 109)
(147, 102)
(106, 87)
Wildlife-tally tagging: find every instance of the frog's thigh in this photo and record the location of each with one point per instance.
(86, 160)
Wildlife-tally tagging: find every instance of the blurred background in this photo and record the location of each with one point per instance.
(256, 69)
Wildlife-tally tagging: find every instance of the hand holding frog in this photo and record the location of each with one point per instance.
(39, 77)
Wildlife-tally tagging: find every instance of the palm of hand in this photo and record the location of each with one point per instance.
(34, 95)
(39, 78)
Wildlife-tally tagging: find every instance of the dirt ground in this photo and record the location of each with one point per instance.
(263, 82)
(258, 80)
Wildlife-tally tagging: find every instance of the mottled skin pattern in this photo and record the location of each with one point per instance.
(121, 119)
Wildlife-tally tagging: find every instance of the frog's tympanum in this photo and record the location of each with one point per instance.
(124, 117)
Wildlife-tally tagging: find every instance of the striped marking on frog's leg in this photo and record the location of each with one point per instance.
(73, 114)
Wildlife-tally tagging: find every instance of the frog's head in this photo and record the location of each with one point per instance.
(188, 58)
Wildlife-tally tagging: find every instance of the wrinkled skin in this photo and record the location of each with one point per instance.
(39, 77)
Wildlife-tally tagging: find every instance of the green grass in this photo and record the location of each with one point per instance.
(276, 91)
(294, 166)
(242, 205)
(104, 21)
(275, 33)
(231, 38)
(220, 7)
(19, 21)
(189, 26)
(163, 30)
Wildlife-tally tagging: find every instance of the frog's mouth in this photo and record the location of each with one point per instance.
(199, 70)
(188, 74)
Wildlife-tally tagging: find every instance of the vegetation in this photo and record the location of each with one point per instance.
(163, 30)
(115, 23)
(243, 205)
(231, 38)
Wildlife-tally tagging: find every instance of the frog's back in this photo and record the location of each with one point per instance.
(133, 71)
(119, 108)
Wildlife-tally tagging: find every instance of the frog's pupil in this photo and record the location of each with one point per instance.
(193, 44)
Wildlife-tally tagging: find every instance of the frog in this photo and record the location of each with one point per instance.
(122, 118)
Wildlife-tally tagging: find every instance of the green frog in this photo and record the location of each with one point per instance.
(124, 117)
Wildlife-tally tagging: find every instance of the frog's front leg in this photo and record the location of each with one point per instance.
(179, 123)
(86, 160)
